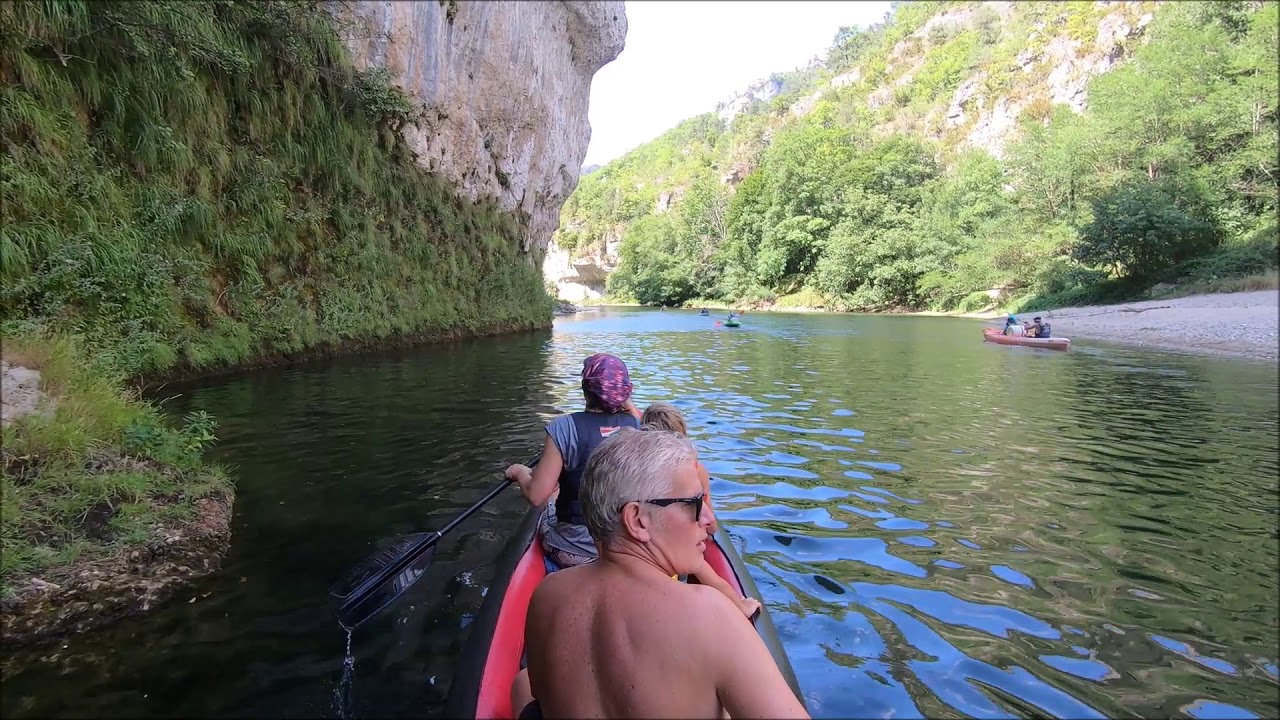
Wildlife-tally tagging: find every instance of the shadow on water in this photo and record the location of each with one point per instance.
(938, 526)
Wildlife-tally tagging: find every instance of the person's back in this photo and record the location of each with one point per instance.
(620, 637)
(609, 628)
(606, 388)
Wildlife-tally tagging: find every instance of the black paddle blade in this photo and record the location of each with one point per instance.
(382, 577)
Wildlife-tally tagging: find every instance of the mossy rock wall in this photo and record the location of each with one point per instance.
(191, 186)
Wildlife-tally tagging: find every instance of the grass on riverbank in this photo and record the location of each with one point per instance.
(96, 475)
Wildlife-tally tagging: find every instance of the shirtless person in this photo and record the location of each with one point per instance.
(619, 638)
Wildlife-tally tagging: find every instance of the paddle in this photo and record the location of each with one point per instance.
(393, 568)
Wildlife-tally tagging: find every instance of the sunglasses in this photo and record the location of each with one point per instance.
(695, 501)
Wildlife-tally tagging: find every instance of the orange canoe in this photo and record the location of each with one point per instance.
(1053, 343)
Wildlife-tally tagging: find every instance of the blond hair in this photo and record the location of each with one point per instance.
(664, 416)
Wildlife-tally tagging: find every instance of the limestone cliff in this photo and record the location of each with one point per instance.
(581, 277)
(503, 89)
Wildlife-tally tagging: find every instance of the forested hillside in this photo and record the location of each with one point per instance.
(1040, 153)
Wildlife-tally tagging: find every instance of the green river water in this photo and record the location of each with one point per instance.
(939, 526)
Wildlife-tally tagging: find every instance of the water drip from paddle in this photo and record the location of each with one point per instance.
(342, 693)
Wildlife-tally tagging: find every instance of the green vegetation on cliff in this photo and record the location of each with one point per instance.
(859, 196)
(194, 185)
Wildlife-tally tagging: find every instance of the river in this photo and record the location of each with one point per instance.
(938, 526)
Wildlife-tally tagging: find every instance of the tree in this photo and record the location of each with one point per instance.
(651, 268)
(1139, 231)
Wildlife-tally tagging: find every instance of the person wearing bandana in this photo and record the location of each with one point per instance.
(571, 438)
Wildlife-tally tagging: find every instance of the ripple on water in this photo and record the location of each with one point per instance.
(1103, 546)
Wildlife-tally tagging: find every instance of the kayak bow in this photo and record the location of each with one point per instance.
(492, 653)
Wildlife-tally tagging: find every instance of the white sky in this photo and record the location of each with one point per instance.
(683, 57)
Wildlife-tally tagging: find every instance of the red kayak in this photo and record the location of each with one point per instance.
(492, 655)
(996, 336)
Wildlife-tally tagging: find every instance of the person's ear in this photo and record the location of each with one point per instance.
(637, 523)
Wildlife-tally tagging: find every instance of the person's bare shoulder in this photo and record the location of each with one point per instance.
(709, 609)
(554, 588)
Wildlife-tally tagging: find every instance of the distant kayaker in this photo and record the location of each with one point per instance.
(571, 438)
(1013, 327)
(1038, 329)
(617, 638)
(665, 416)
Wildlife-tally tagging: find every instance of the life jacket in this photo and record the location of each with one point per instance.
(1044, 330)
(591, 428)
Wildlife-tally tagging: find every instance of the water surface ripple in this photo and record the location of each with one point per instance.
(939, 527)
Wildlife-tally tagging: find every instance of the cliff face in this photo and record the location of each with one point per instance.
(581, 277)
(503, 89)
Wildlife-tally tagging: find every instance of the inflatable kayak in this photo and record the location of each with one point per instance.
(1052, 343)
(492, 654)
(732, 323)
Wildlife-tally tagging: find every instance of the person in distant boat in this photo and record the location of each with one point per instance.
(571, 438)
(665, 416)
(1036, 329)
(617, 638)
(1013, 327)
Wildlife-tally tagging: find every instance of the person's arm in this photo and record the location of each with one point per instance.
(709, 577)
(747, 679)
(538, 484)
(630, 407)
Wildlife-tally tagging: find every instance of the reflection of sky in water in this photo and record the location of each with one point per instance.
(1042, 590)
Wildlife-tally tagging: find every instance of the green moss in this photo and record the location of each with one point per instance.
(205, 184)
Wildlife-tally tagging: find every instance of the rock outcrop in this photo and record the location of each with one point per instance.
(579, 278)
(20, 393)
(503, 88)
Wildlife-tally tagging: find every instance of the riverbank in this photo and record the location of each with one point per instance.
(1241, 324)
(107, 508)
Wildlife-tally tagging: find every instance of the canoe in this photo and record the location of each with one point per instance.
(1052, 343)
(732, 323)
(492, 654)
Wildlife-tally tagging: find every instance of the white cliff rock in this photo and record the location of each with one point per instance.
(581, 277)
(503, 88)
(761, 92)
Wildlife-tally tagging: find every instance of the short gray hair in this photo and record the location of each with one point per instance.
(630, 465)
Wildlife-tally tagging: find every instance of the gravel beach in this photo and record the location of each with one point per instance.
(1232, 324)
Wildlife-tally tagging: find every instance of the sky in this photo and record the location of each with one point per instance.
(682, 58)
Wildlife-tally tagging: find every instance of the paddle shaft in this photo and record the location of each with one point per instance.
(407, 559)
(471, 510)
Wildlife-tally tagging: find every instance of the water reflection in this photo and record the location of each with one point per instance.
(939, 526)
(1099, 496)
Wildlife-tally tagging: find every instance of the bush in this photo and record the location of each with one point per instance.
(1253, 255)
(974, 301)
(1141, 232)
